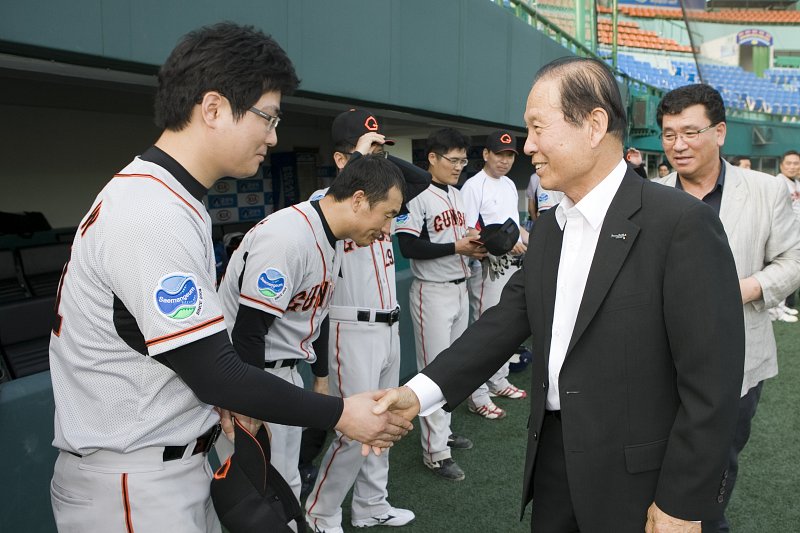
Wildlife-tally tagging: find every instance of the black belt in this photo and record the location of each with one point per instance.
(389, 317)
(284, 363)
(556, 414)
(203, 445)
(458, 281)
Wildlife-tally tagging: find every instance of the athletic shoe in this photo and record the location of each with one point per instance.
(316, 529)
(788, 318)
(395, 517)
(789, 310)
(510, 392)
(457, 442)
(490, 411)
(446, 468)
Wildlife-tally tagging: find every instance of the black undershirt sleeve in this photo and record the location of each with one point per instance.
(320, 366)
(251, 326)
(417, 248)
(217, 376)
(417, 179)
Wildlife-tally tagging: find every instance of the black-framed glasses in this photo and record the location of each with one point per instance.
(455, 161)
(272, 122)
(670, 137)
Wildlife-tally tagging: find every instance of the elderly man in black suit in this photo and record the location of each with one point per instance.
(631, 293)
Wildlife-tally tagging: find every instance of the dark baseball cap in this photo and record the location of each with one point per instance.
(498, 239)
(501, 141)
(248, 493)
(352, 124)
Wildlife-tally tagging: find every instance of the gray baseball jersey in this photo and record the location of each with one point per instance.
(439, 215)
(284, 266)
(140, 282)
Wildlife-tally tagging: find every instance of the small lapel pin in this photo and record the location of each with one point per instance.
(622, 236)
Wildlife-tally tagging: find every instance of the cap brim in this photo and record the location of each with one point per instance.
(390, 142)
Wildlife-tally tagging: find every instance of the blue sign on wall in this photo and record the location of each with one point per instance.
(754, 37)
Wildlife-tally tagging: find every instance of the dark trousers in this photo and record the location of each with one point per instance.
(790, 300)
(747, 410)
(552, 503)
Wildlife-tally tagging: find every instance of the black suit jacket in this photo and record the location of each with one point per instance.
(649, 388)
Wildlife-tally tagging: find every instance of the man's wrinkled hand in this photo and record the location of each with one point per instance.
(660, 522)
(377, 430)
(400, 400)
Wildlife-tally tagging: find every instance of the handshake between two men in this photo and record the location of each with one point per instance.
(387, 422)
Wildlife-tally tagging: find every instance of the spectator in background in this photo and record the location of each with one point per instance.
(741, 161)
(663, 170)
(790, 171)
(634, 158)
(763, 235)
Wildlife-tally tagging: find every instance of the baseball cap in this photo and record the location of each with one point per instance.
(501, 141)
(352, 124)
(248, 493)
(500, 238)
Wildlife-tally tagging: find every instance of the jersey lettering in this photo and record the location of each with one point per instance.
(349, 246)
(447, 219)
(314, 297)
(389, 257)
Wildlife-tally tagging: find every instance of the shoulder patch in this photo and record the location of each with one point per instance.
(178, 297)
(401, 219)
(271, 283)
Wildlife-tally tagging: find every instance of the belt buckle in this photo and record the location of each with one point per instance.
(212, 438)
(394, 316)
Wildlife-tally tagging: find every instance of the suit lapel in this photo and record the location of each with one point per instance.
(733, 199)
(550, 258)
(611, 252)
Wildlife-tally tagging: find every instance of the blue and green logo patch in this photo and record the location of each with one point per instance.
(271, 283)
(177, 296)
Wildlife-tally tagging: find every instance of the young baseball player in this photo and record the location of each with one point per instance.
(490, 197)
(139, 352)
(434, 236)
(365, 345)
(287, 266)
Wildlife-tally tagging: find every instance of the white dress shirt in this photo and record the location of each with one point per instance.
(581, 224)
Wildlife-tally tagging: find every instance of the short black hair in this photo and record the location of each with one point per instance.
(373, 174)
(240, 62)
(344, 147)
(446, 139)
(788, 153)
(585, 84)
(675, 101)
(663, 165)
(738, 159)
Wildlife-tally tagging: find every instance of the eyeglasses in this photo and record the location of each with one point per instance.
(670, 137)
(456, 162)
(272, 122)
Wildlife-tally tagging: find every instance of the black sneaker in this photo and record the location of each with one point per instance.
(446, 468)
(457, 442)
